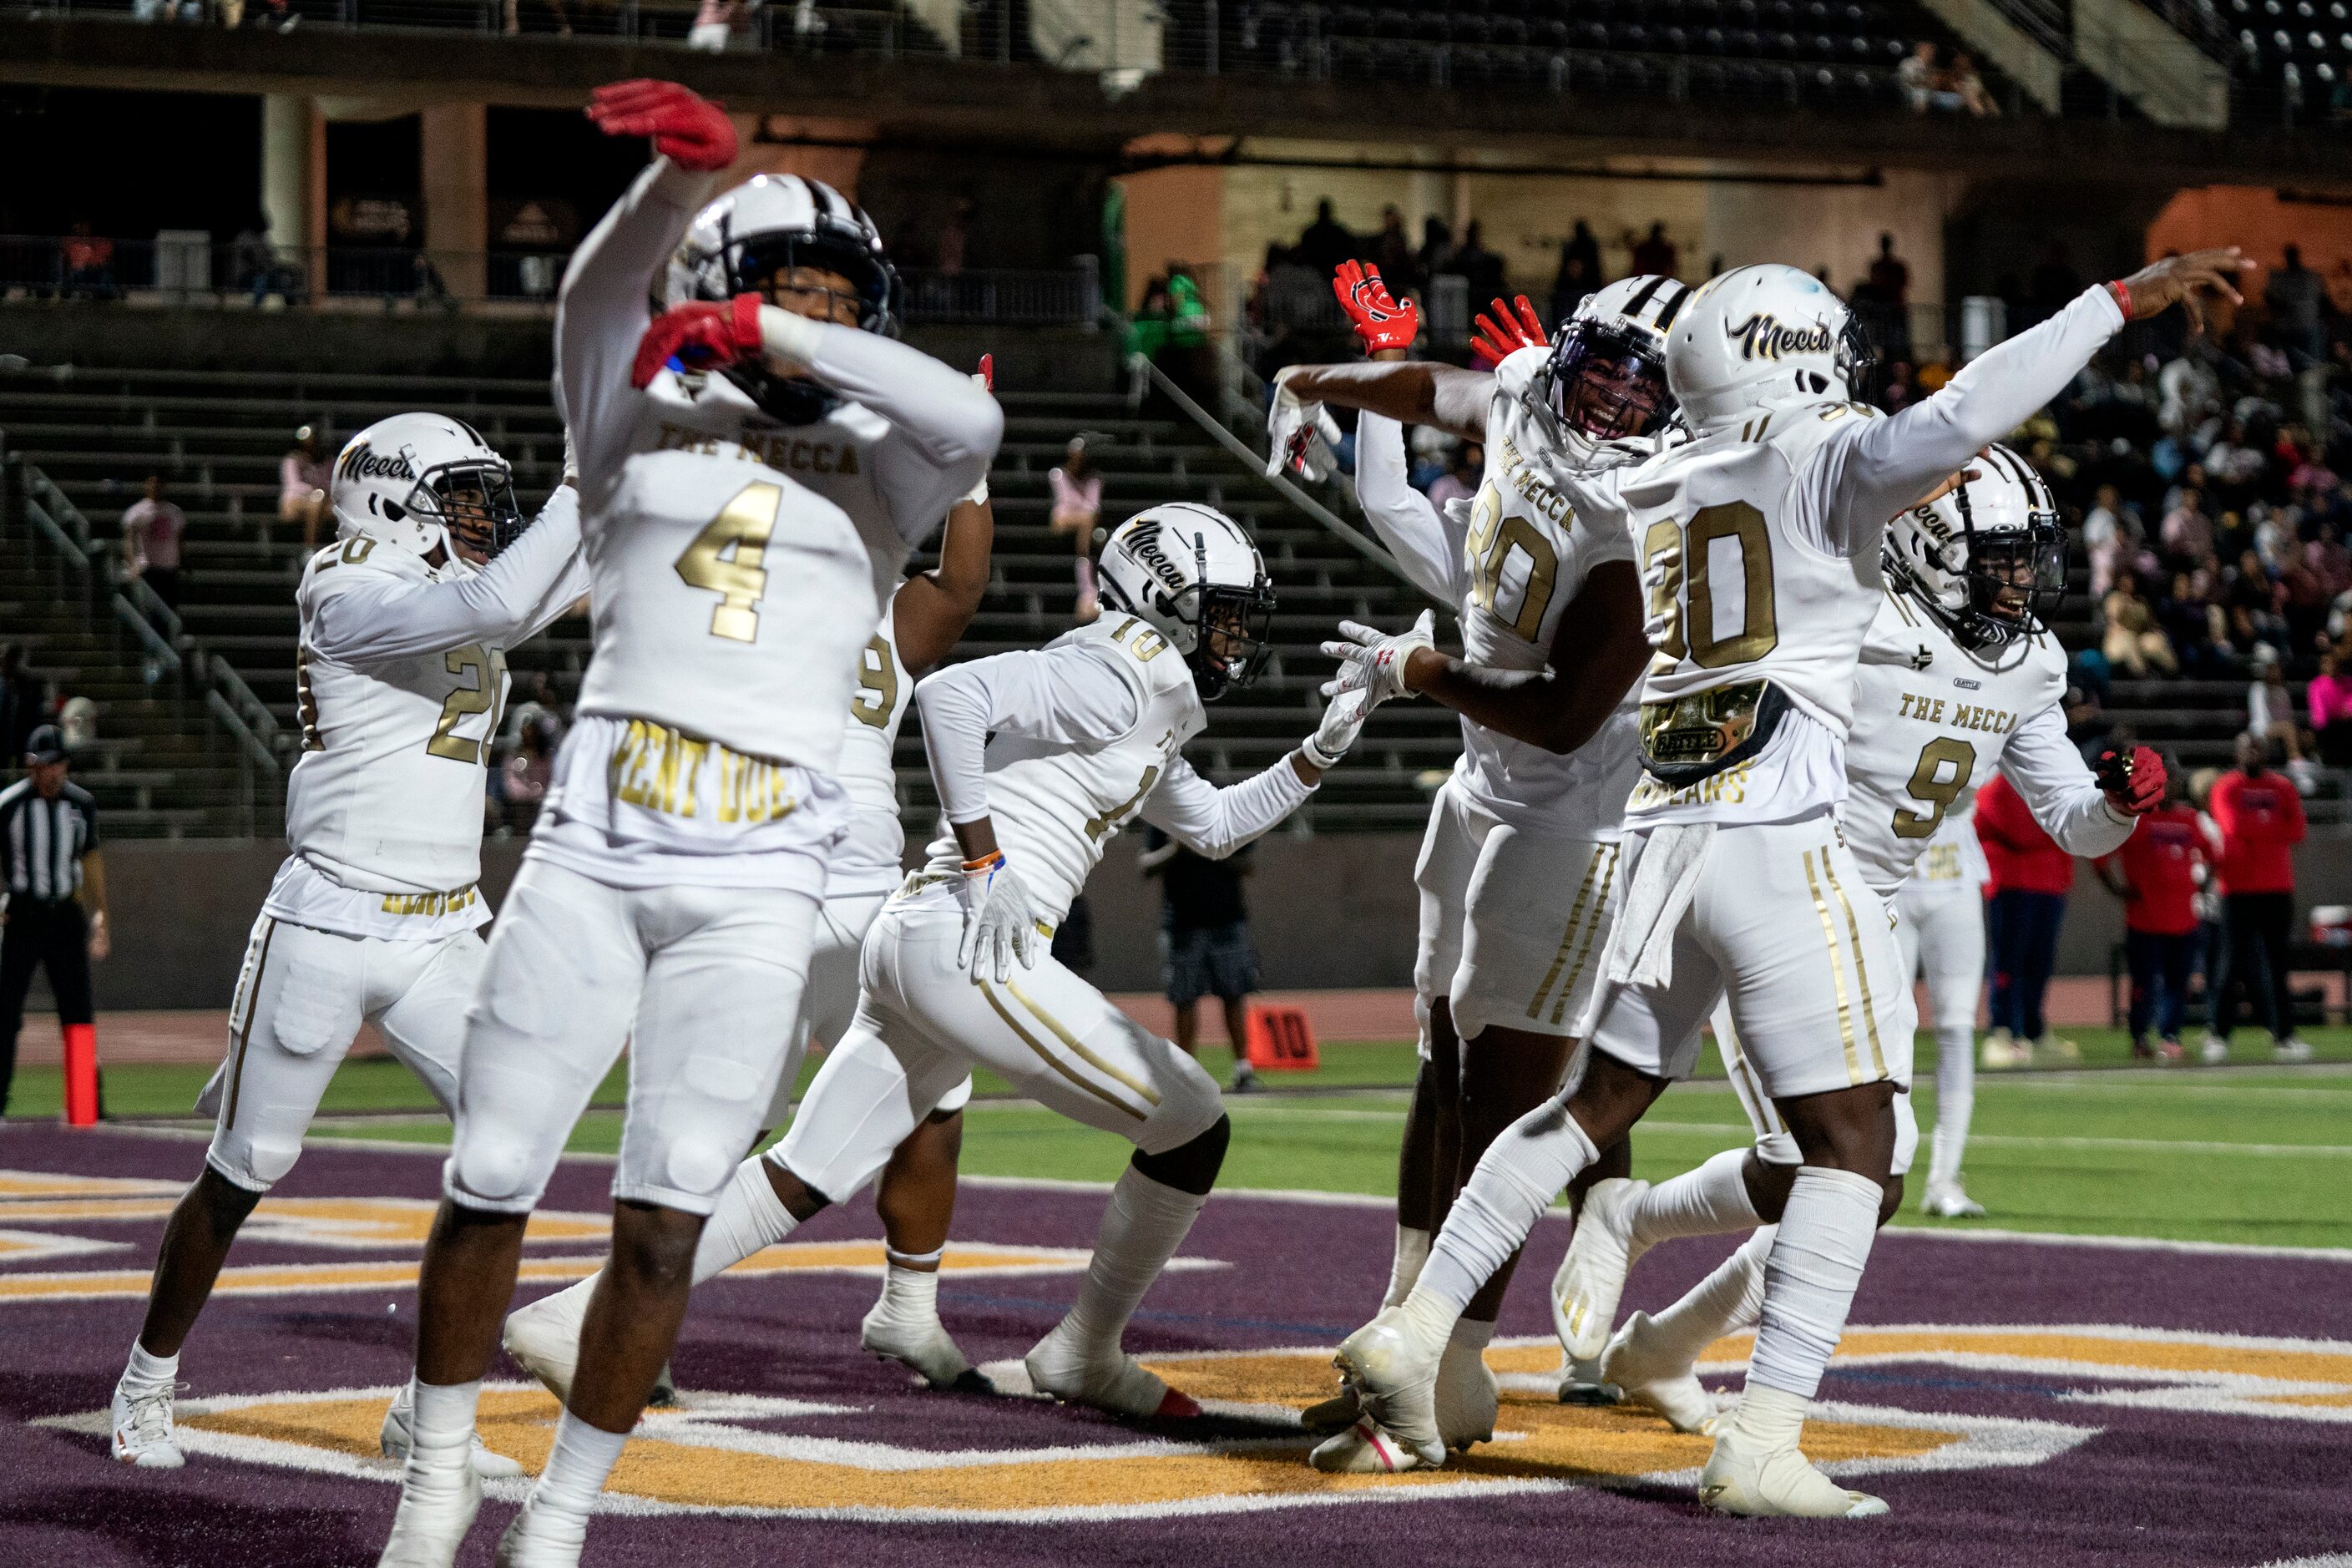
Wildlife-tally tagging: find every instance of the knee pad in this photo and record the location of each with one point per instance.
(254, 1167)
(502, 1174)
(1906, 1134)
(699, 1163)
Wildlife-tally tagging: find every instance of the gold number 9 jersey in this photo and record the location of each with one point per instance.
(1527, 556)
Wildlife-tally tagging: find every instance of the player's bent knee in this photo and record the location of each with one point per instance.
(1191, 1167)
(496, 1175)
(252, 1165)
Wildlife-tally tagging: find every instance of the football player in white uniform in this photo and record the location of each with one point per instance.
(1940, 927)
(756, 463)
(401, 670)
(1760, 542)
(1040, 757)
(1959, 675)
(916, 1196)
(1516, 869)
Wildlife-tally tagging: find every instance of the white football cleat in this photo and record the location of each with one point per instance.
(1583, 1382)
(925, 1348)
(1780, 1483)
(1466, 1397)
(1366, 1449)
(142, 1426)
(392, 1438)
(544, 1337)
(437, 1509)
(1947, 1199)
(1658, 1382)
(2214, 1051)
(2002, 1050)
(1592, 1276)
(2294, 1048)
(542, 1538)
(1105, 1378)
(1393, 1369)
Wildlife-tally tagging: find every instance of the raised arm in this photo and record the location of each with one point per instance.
(375, 616)
(1426, 546)
(1411, 392)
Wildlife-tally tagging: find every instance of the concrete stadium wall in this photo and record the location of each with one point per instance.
(1335, 911)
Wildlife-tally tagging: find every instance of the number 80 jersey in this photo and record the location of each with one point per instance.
(1526, 558)
(1931, 721)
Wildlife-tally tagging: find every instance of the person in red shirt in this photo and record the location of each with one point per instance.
(2259, 819)
(2026, 900)
(2157, 874)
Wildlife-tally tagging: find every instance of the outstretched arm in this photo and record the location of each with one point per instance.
(1214, 821)
(1411, 392)
(2060, 789)
(377, 617)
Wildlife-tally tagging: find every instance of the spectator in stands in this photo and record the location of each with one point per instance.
(2269, 706)
(2157, 874)
(535, 705)
(2134, 643)
(1205, 947)
(2187, 533)
(714, 22)
(524, 777)
(1969, 89)
(2253, 600)
(89, 261)
(1654, 252)
(1580, 272)
(2259, 819)
(1889, 275)
(2195, 620)
(2027, 903)
(2329, 699)
(2296, 299)
(1326, 242)
(152, 529)
(1460, 480)
(2105, 540)
(1436, 246)
(1479, 267)
(1077, 508)
(1918, 75)
(302, 486)
(1391, 251)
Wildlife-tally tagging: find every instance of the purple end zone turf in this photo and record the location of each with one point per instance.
(2181, 1448)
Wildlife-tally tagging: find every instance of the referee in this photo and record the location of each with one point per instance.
(54, 912)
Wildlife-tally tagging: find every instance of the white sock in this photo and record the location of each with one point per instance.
(911, 1295)
(1768, 1418)
(1404, 1270)
(584, 1456)
(441, 1427)
(1517, 1179)
(1707, 1201)
(1470, 1335)
(1956, 1100)
(151, 1370)
(748, 1217)
(1810, 1275)
(1724, 1302)
(1142, 1226)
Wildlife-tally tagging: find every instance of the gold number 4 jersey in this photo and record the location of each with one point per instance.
(1526, 558)
(400, 676)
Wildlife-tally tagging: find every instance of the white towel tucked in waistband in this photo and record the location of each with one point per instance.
(1642, 948)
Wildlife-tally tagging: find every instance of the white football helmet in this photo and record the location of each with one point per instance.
(1760, 338)
(1606, 379)
(420, 481)
(1989, 559)
(743, 242)
(1194, 574)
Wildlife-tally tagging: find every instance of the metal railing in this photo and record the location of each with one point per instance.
(192, 269)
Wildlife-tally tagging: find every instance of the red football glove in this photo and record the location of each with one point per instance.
(986, 374)
(702, 336)
(1501, 336)
(1379, 321)
(2134, 784)
(688, 129)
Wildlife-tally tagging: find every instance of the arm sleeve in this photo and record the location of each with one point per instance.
(1427, 548)
(1066, 695)
(1859, 482)
(1216, 822)
(377, 617)
(944, 427)
(2060, 789)
(601, 309)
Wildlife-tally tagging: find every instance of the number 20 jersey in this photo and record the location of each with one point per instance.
(1526, 558)
(1930, 722)
(387, 797)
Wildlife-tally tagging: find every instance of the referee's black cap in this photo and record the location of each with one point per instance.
(46, 744)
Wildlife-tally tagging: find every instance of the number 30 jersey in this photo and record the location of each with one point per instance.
(1526, 558)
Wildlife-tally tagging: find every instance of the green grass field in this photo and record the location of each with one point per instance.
(2241, 1154)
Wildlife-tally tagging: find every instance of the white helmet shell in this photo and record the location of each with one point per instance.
(1759, 338)
(2005, 515)
(1180, 565)
(783, 220)
(392, 481)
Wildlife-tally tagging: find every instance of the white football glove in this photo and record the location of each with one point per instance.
(1372, 661)
(1299, 436)
(1000, 922)
(1343, 721)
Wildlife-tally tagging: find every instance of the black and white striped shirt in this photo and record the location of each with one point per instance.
(42, 841)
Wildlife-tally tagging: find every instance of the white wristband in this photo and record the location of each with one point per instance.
(1316, 757)
(792, 340)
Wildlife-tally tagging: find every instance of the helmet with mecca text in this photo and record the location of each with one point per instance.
(419, 481)
(1194, 576)
(1988, 558)
(1761, 338)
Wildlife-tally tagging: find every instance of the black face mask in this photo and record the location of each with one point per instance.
(1607, 383)
(474, 500)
